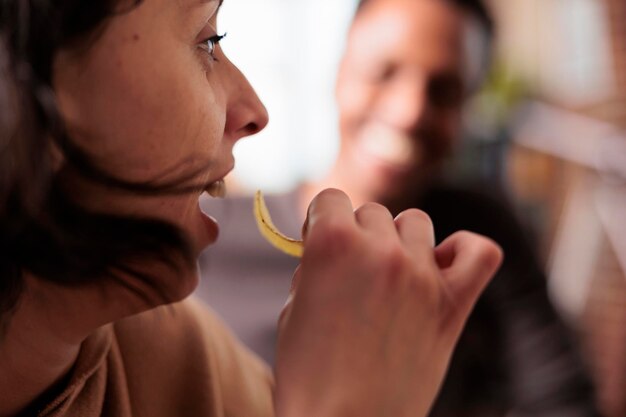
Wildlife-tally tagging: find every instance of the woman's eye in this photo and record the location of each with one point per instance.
(209, 44)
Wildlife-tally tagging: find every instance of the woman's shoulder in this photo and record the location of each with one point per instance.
(185, 349)
(188, 330)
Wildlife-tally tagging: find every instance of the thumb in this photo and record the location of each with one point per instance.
(467, 262)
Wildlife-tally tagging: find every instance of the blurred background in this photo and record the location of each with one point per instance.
(549, 125)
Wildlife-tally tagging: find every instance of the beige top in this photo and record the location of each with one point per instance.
(174, 361)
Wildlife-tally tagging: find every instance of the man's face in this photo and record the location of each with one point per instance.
(400, 90)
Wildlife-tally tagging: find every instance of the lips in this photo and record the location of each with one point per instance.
(216, 189)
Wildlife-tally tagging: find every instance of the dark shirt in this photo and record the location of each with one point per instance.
(514, 354)
(515, 351)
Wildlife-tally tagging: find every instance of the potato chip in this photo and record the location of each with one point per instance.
(289, 246)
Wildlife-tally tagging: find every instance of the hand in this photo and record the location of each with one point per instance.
(375, 311)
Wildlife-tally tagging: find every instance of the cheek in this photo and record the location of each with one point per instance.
(355, 101)
(140, 119)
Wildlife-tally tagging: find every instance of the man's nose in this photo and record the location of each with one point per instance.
(405, 104)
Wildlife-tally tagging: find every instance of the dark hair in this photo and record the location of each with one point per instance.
(480, 12)
(476, 8)
(41, 230)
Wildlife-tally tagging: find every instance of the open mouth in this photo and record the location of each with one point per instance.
(216, 189)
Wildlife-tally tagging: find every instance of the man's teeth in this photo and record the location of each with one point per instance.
(217, 189)
(388, 145)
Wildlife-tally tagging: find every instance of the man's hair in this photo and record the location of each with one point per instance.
(476, 8)
(478, 63)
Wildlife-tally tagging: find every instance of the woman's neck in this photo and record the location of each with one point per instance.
(44, 335)
(34, 354)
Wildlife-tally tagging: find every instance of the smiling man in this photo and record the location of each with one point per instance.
(408, 68)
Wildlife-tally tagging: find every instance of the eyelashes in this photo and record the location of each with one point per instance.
(208, 45)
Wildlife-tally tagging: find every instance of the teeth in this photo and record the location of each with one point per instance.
(216, 189)
(391, 146)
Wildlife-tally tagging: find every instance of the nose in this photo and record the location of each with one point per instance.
(405, 103)
(246, 114)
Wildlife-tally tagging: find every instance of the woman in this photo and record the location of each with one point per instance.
(116, 115)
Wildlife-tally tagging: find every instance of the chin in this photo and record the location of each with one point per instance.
(177, 287)
(203, 230)
(158, 283)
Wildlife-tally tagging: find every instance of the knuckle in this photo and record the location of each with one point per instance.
(415, 221)
(422, 276)
(372, 206)
(330, 193)
(416, 215)
(400, 276)
(372, 211)
(466, 235)
(395, 260)
(400, 270)
(332, 234)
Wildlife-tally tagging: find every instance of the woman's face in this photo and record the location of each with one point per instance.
(150, 102)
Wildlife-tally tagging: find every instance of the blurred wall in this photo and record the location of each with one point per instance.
(549, 126)
(289, 50)
(567, 165)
